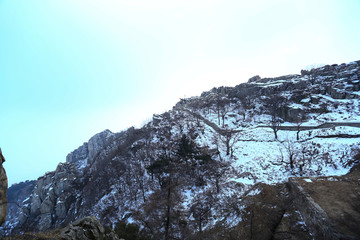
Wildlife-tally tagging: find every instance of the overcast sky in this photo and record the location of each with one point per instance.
(72, 68)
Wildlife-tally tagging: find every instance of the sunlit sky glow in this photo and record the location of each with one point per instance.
(72, 68)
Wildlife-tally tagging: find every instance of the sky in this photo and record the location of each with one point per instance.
(72, 68)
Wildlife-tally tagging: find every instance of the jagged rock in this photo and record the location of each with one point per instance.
(35, 204)
(88, 228)
(3, 190)
(61, 172)
(62, 186)
(18, 196)
(89, 150)
(79, 154)
(254, 79)
(45, 221)
(48, 204)
(60, 209)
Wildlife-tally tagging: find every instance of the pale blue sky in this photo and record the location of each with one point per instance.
(72, 68)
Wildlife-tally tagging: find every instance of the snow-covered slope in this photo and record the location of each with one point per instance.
(188, 170)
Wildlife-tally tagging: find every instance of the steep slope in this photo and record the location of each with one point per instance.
(215, 165)
(330, 205)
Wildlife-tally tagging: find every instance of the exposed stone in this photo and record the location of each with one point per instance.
(60, 209)
(3, 190)
(336, 94)
(294, 114)
(329, 205)
(314, 99)
(79, 154)
(48, 204)
(35, 204)
(292, 226)
(61, 172)
(45, 221)
(88, 228)
(254, 79)
(90, 149)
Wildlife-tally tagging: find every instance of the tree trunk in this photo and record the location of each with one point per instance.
(297, 134)
(275, 133)
(291, 161)
(167, 224)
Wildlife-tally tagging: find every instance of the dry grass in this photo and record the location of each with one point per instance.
(50, 235)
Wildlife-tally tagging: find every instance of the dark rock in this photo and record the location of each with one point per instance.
(328, 205)
(88, 228)
(3, 190)
(336, 94)
(254, 79)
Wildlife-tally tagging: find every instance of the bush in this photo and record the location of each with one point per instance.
(129, 231)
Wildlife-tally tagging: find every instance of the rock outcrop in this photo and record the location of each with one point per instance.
(56, 198)
(88, 228)
(3, 190)
(330, 206)
(86, 153)
(50, 199)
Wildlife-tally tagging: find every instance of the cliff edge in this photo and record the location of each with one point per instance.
(3, 189)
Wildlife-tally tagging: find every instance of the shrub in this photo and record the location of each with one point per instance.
(129, 231)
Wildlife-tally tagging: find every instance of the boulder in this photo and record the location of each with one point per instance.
(254, 79)
(88, 228)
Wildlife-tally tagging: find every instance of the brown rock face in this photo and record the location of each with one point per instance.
(3, 189)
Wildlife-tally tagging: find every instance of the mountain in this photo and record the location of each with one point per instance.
(243, 162)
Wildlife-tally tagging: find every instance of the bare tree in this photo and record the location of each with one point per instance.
(245, 105)
(292, 153)
(275, 125)
(201, 209)
(274, 105)
(299, 122)
(226, 139)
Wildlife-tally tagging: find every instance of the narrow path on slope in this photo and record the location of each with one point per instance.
(223, 132)
(324, 125)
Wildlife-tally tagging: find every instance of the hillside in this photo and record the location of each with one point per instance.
(216, 166)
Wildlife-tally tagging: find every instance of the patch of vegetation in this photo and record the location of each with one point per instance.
(129, 231)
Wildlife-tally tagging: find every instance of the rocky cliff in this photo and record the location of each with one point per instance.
(3, 190)
(214, 166)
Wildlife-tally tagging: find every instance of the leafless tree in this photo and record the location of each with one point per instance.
(274, 105)
(299, 122)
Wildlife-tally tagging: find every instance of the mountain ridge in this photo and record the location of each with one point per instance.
(204, 151)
